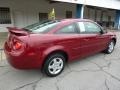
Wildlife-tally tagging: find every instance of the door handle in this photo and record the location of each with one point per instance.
(100, 37)
(86, 39)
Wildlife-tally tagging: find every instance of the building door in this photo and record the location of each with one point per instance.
(91, 41)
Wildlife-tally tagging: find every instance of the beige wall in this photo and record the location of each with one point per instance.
(25, 12)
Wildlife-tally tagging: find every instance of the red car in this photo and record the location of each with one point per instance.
(49, 44)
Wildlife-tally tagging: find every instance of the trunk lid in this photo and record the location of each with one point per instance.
(17, 31)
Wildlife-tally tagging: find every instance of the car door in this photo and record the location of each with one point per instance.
(69, 38)
(91, 39)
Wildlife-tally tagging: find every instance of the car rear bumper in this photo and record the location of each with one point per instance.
(26, 60)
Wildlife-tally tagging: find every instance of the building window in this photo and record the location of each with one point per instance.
(5, 17)
(68, 14)
(43, 16)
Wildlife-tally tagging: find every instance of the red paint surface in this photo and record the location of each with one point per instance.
(36, 47)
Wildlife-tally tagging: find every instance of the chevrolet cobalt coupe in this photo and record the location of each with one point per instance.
(49, 44)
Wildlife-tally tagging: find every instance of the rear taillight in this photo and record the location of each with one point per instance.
(17, 45)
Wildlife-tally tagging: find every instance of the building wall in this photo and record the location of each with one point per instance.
(101, 15)
(90, 13)
(113, 4)
(25, 12)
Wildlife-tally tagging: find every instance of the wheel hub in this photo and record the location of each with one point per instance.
(55, 66)
(111, 47)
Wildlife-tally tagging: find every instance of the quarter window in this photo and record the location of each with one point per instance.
(88, 27)
(68, 30)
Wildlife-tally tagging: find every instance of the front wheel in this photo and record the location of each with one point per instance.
(110, 47)
(54, 65)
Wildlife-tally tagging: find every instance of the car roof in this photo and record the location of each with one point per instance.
(74, 20)
(69, 21)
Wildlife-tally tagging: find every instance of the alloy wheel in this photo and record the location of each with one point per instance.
(55, 66)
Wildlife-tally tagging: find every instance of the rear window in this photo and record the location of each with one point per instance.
(42, 27)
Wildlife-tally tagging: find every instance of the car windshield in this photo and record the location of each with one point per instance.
(43, 26)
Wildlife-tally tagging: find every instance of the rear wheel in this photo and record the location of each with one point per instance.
(110, 47)
(54, 65)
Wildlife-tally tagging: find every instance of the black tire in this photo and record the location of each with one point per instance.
(49, 60)
(108, 51)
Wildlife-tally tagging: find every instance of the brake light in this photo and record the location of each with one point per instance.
(17, 45)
